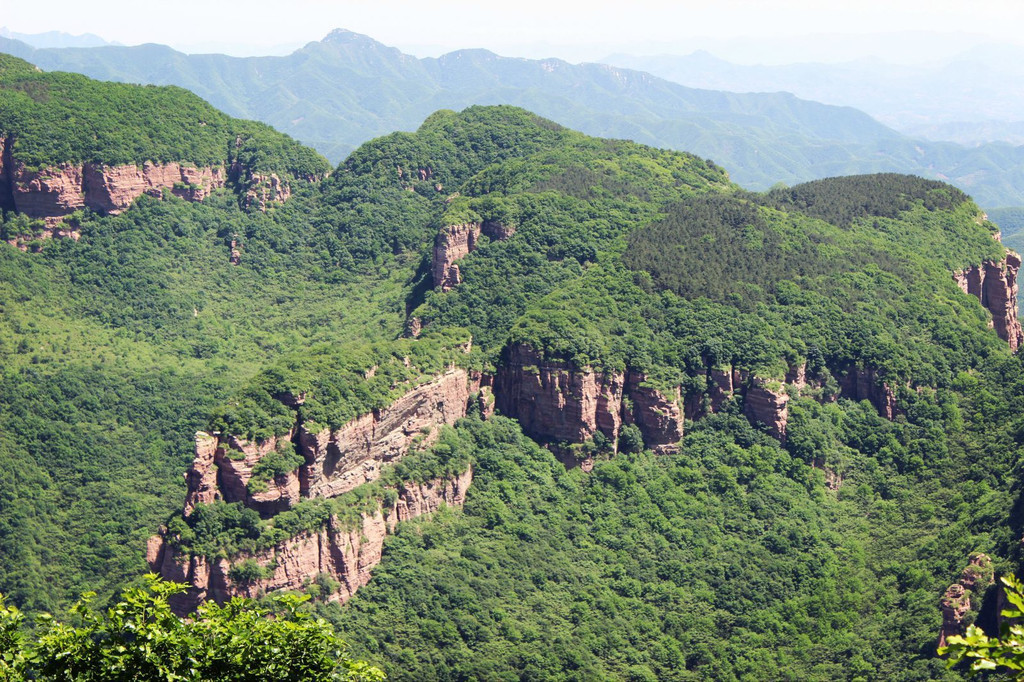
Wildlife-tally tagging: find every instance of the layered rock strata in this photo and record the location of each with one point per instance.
(335, 461)
(455, 242)
(994, 283)
(345, 553)
(54, 192)
(338, 461)
(557, 401)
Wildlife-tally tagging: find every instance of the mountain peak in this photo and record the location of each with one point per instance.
(344, 36)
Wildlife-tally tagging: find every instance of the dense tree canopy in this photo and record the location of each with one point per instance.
(739, 558)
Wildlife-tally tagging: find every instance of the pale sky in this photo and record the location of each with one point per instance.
(774, 29)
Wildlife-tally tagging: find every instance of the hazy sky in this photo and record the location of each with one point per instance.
(762, 30)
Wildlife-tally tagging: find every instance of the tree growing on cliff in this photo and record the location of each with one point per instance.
(140, 638)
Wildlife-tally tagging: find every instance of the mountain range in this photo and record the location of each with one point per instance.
(501, 399)
(962, 99)
(339, 92)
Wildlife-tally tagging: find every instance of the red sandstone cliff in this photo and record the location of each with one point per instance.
(458, 241)
(864, 384)
(453, 243)
(558, 401)
(51, 193)
(335, 461)
(223, 467)
(346, 554)
(956, 601)
(995, 285)
(768, 404)
(338, 461)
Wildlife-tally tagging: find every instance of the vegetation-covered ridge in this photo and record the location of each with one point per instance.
(328, 386)
(819, 555)
(55, 118)
(338, 93)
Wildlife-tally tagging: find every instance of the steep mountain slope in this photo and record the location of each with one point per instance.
(776, 426)
(68, 143)
(341, 91)
(814, 366)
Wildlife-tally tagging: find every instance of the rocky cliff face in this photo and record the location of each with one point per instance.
(265, 189)
(346, 554)
(453, 243)
(956, 601)
(558, 401)
(995, 285)
(223, 467)
(864, 384)
(335, 461)
(338, 461)
(458, 241)
(51, 193)
(766, 404)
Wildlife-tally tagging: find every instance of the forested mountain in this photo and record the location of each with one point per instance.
(339, 92)
(656, 426)
(962, 98)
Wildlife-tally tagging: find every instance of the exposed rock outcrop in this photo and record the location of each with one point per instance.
(956, 601)
(768, 405)
(658, 416)
(454, 242)
(995, 285)
(338, 461)
(344, 553)
(864, 384)
(53, 192)
(265, 189)
(335, 461)
(557, 401)
(223, 468)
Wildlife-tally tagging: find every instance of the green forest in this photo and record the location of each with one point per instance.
(741, 557)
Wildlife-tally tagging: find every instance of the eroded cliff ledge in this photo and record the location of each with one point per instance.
(334, 461)
(52, 193)
(956, 602)
(343, 552)
(558, 401)
(994, 283)
(227, 468)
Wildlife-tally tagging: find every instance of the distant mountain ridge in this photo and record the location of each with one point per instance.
(339, 92)
(965, 99)
(56, 39)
